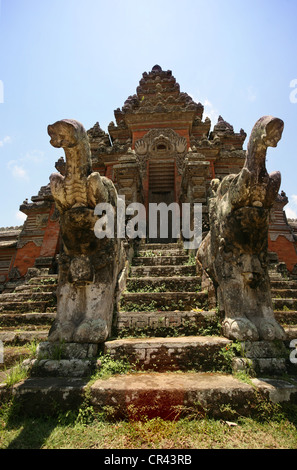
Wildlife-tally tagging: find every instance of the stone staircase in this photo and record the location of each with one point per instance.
(25, 317)
(163, 314)
(168, 330)
(163, 295)
(284, 296)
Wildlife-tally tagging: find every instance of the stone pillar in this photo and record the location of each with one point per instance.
(127, 177)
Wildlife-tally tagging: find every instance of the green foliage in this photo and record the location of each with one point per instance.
(133, 287)
(191, 261)
(186, 328)
(33, 347)
(16, 374)
(264, 410)
(227, 354)
(110, 366)
(139, 307)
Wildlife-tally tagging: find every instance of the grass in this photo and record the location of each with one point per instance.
(17, 373)
(85, 431)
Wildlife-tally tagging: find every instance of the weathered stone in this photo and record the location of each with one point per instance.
(159, 271)
(88, 266)
(264, 349)
(22, 337)
(234, 253)
(66, 350)
(62, 368)
(138, 396)
(169, 395)
(277, 390)
(169, 300)
(163, 354)
(44, 396)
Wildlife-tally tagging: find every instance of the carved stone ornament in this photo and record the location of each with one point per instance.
(234, 253)
(88, 266)
(161, 143)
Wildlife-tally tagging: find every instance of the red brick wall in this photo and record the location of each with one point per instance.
(51, 238)
(26, 256)
(285, 250)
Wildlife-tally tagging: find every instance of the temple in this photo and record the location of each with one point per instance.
(159, 149)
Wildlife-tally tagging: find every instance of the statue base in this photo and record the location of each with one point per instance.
(64, 360)
(262, 357)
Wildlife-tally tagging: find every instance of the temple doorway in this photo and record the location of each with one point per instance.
(162, 189)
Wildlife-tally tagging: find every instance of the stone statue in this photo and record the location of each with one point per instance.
(234, 252)
(88, 266)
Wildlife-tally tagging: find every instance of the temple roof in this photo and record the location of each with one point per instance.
(158, 92)
(159, 103)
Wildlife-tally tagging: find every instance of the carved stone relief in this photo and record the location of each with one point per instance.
(161, 143)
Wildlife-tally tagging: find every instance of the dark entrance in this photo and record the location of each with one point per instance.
(161, 189)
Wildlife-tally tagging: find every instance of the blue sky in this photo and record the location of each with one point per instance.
(82, 59)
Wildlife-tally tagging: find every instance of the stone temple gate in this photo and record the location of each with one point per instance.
(159, 149)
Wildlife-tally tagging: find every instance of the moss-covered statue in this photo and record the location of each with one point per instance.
(234, 252)
(88, 266)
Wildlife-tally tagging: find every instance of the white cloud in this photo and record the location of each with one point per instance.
(6, 140)
(291, 208)
(290, 213)
(17, 170)
(18, 166)
(209, 109)
(20, 216)
(35, 156)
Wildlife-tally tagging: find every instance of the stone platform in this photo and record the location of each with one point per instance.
(147, 395)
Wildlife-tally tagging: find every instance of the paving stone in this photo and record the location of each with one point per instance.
(163, 354)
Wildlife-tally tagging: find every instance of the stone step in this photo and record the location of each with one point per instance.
(171, 396)
(286, 317)
(25, 296)
(284, 303)
(150, 395)
(23, 337)
(155, 252)
(160, 260)
(291, 332)
(166, 323)
(161, 246)
(22, 307)
(284, 293)
(22, 320)
(201, 353)
(283, 284)
(13, 355)
(27, 288)
(44, 279)
(274, 276)
(173, 283)
(162, 271)
(140, 301)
